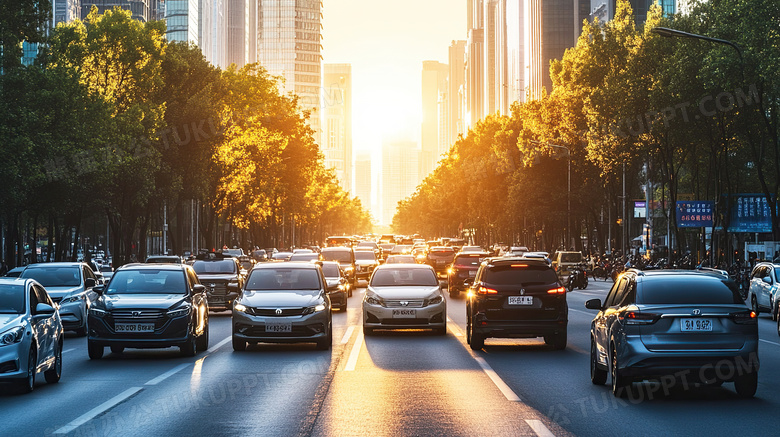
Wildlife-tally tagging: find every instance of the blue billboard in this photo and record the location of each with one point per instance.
(695, 213)
(750, 213)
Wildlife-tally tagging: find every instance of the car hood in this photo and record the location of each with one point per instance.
(364, 262)
(8, 320)
(151, 301)
(406, 292)
(60, 292)
(281, 298)
(205, 278)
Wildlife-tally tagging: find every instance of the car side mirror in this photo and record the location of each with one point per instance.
(99, 289)
(198, 288)
(44, 309)
(767, 279)
(90, 282)
(593, 304)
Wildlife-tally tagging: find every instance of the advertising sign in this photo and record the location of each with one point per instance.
(695, 213)
(640, 209)
(750, 213)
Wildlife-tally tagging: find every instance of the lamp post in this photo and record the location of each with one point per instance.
(568, 192)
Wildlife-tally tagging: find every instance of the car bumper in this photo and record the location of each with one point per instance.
(308, 328)
(338, 298)
(222, 302)
(73, 315)
(518, 328)
(431, 316)
(173, 332)
(13, 360)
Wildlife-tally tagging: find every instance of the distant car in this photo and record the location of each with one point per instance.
(150, 306)
(365, 263)
(304, 256)
(400, 259)
(762, 295)
(670, 323)
(233, 252)
(31, 334)
(336, 281)
(464, 266)
(471, 249)
(440, 258)
(296, 251)
(386, 249)
(370, 245)
(70, 286)
(107, 272)
(281, 256)
(345, 256)
(516, 298)
(246, 263)
(283, 303)
(518, 250)
(563, 262)
(221, 275)
(404, 296)
(164, 259)
(15, 272)
(260, 255)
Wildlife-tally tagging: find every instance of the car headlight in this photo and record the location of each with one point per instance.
(435, 300)
(72, 299)
(96, 312)
(349, 268)
(179, 312)
(239, 307)
(372, 300)
(11, 336)
(320, 307)
(232, 285)
(450, 271)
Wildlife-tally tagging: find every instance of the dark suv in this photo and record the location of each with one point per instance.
(516, 298)
(464, 266)
(440, 258)
(346, 259)
(221, 274)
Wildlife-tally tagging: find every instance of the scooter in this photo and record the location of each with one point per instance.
(578, 277)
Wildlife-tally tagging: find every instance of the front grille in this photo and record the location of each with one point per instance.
(56, 299)
(271, 312)
(216, 287)
(402, 322)
(130, 316)
(411, 303)
(8, 366)
(297, 331)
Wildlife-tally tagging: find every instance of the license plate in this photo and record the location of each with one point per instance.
(696, 325)
(278, 327)
(217, 300)
(473, 273)
(404, 314)
(439, 261)
(521, 300)
(134, 327)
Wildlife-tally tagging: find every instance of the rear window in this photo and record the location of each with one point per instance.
(344, 256)
(571, 257)
(525, 276)
(690, 290)
(462, 260)
(365, 254)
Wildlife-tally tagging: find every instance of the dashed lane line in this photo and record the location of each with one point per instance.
(353, 355)
(539, 428)
(167, 374)
(100, 409)
(347, 335)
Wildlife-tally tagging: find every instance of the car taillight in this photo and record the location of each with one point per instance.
(637, 318)
(559, 290)
(485, 290)
(745, 317)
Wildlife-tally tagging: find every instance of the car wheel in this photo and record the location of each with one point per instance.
(477, 340)
(773, 312)
(325, 343)
(468, 332)
(349, 293)
(746, 384)
(117, 349)
(27, 384)
(190, 347)
(557, 341)
(95, 352)
(440, 331)
(368, 331)
(203, 339)
(53, 375)
(343, 306)
(619, 384)
(598, 376)
(754, 305)
(239, 345)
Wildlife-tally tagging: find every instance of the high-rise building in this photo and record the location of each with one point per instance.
(336, 141)
(140, 9)
(515, 51)
(239, 32)
(65, 11)
(475, 108)
(604, 10)
(495, 65)
(399, 175)
(289, 40)
(182, 20)
(456, 80)
(434, 84)
(363, 185)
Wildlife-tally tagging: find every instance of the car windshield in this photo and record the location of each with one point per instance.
(571, 257)
(337, 255)
(54, 276)
(688, 290)
(365, 254)
(246, 264)
(283, 279)
(404, 277)
(147, 281)
(214, 267)
(520, 275)
(11, 299)
(330, 270)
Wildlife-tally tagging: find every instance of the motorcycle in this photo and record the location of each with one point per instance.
(578, 277)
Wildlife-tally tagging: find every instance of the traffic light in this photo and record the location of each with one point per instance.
(620, 222)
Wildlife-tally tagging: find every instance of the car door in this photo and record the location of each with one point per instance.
(91, 295)
(611, 309)
(600, 327)
(47, 338)
(38, 325)
(199, 301)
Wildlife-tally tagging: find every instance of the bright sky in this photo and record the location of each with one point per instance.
(386, 43)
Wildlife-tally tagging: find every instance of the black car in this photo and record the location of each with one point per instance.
(440, 258)
(221, 274)
(516, 298)
(150, 306)
(464, 267)
(345, 256)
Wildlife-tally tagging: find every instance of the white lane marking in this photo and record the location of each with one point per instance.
(770, 342)
(353, 356)
(538, 427)
(347, 335)
(218, 345)
(100, 409)
(505, 390)
(454, 328)
(167, 374)
(69, 350)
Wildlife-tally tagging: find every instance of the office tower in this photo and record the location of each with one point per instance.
(139, 8)
(65, 11)
(399, 175)
(289, 46)
(495, 65)
(240, 23)
(337, 122)
(455, 82)
(474, 78)
(182, 21)
(515, 51)
(604, 10)
(434, 83)
(363, 183)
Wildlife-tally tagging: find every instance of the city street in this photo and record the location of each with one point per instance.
(393, 383)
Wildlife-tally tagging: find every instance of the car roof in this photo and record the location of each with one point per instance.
(5, 280)
(285, 265)
(56, 264)
(514, 259)
(336, 249)
(153, 266)
(404, 265)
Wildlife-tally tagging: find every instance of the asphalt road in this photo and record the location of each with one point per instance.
(408, 383)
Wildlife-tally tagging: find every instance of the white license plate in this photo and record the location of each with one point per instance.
(404, 314)
(472, 273)
(521, 300)
(440, 261)
(696, 325)
(134, 327)
(278, 327)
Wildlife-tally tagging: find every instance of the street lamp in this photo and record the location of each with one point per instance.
(568, 193)
(674, 33)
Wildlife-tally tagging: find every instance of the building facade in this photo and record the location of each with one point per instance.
(434, 110)
(363, 184)
(399, 175)
(182, 20)
(604, 10)
(337, 122)
(65, 11)
(456, 82)
(140, 9)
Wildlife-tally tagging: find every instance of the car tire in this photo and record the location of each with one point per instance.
(754, 305)
(190, 347)
(440, 331)
(203, 339)
(620, 385)
(95, 352)
(349, 293)
(343, 306)
(773, 311)
(598, 376)
(117, 349)
(239, 345)
(746, 384)
(53, 375)
(558, 341)
(477, 341)
(326, 343)
(368, 331)
(27, 384)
